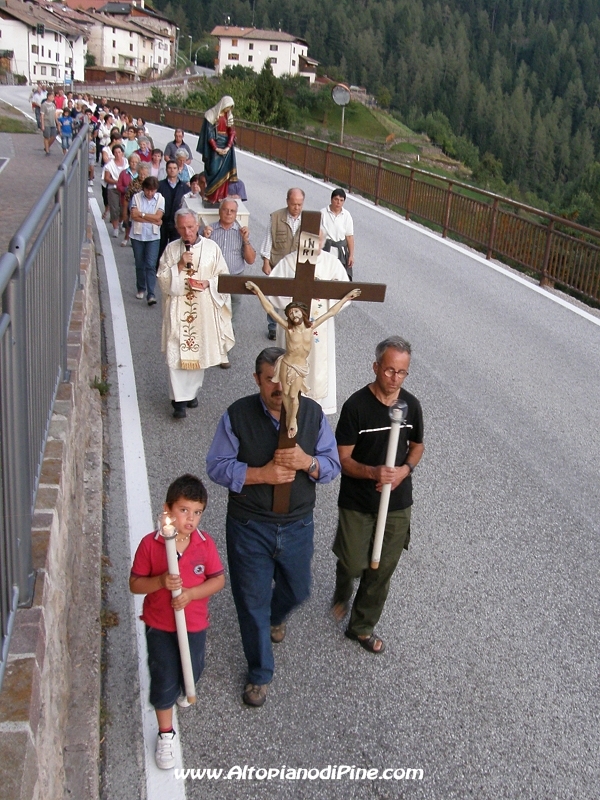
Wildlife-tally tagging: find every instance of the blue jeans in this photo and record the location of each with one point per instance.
(146, 259)
(260, 553)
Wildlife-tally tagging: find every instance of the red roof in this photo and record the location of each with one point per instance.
(255, 34)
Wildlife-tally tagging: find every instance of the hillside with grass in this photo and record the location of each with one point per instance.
(291, 104)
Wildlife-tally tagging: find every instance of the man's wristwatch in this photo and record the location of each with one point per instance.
(410, 467)
(143, 213)
(313, 466)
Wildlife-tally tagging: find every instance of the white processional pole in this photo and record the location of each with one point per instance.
(397, 415)
(169, 533)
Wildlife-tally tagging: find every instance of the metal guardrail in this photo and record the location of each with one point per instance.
(38, 280)
(554, 249)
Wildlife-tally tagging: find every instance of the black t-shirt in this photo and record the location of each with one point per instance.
(365, 424)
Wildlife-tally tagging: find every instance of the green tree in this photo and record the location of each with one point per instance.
(272, 106)
(240, 72)
(384, 97)
(488, 172)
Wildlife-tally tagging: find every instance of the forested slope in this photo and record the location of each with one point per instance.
(520, 79)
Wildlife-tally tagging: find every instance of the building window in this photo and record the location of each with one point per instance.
(130, 34)
(42, 51)
(114, 60)
(114, 30)
(250, 58)
(234, 42)
(114, 43)
(58, 57)
(233, 57)
(293, 62)
(42, 70)
(159, 61)
(49, 54)
(53, 72)
(251, 46)
(294, 50)
(131, 47)
(56, 37)
(143, 59)
(35, 49)
(273, 47)
(273, 60)
(34, 69)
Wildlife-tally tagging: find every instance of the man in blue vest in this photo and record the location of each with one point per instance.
(269, 554)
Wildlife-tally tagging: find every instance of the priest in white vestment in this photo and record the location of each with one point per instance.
(196, 329)
(321, 362)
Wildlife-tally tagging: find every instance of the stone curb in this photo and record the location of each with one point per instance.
(49, 707)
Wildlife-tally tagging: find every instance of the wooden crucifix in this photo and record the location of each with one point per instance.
(303, 288)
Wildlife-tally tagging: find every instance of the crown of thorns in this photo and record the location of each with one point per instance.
(303, 308)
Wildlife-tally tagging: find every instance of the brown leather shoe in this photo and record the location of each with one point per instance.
(278, 633)
(255, 695)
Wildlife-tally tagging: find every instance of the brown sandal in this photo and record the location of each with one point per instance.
(368, 643)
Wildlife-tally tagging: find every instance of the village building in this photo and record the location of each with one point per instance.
(252, 47)
(127, 50)
(37, 44)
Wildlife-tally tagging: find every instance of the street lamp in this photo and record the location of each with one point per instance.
(179, 55)
(190, 38)
(202, 46)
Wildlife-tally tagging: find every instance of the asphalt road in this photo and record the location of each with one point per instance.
(489, 681)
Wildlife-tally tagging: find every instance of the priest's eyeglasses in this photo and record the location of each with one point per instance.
(390, 372)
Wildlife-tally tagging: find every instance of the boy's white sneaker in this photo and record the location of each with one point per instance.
(164, 756)
(182, 702)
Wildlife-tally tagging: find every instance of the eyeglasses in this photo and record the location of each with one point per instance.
(390, 372)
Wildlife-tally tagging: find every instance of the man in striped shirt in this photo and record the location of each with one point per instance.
(234, 242)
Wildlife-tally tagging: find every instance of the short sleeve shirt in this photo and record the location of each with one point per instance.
(172, 148)
(199, 562)
(365, 424)
(48, 109)
(232, 246)
(66, 126)
(337, 226)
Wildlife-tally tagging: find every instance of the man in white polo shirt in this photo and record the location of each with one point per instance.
(339, 227)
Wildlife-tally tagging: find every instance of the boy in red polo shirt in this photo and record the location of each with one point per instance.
(201, 575)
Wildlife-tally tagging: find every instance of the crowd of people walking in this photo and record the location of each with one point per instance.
(152, 197)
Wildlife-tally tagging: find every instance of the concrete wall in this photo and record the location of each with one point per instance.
(49, 740)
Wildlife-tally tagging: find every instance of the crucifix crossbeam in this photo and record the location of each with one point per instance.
(304, 288)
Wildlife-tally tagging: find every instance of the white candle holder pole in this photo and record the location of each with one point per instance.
(169, 533)
(398, 413)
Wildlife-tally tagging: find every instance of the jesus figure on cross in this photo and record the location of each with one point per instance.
(292, 368)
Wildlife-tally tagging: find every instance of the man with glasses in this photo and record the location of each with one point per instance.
(362, 437)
